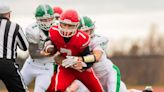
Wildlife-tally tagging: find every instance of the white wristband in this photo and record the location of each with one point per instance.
(89, 58)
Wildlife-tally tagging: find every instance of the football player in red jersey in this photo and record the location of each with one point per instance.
(57, 12)
(69, 41)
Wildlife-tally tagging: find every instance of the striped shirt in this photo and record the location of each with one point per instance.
(11, 36)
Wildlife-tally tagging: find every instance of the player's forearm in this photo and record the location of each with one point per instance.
(59, 58)
(97, 54)
(34, 51)
(93, 57)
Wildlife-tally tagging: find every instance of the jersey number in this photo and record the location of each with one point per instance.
(67, 51)
(80, 34)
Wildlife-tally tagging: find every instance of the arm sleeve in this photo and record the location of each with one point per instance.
(22, 41)
(85, 53)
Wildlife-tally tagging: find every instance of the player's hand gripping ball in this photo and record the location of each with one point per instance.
(50, 49)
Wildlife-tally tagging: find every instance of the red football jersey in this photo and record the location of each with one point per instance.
(74, 47)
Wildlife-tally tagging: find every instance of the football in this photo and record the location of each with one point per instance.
(51, 49)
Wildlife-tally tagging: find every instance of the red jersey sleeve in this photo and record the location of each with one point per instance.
(53, 33)
(83, 39)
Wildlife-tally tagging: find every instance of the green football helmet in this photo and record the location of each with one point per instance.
(44, 15)
(86, 24)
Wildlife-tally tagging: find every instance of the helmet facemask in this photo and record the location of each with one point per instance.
(57, 16)
(67, 30)
(57, 12)
(56, 19)
(45, 23)
(45, 17)
(69, 21)
(87, 25)
(90, 29)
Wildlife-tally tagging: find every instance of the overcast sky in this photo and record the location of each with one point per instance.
(26, 7)
(113, 17)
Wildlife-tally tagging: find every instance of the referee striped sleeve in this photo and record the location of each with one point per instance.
(6, 38)
(22, 41)
(11, 36)
(14, 42)
(2, 29)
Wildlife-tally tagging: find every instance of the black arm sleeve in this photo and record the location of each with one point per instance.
(85, 53)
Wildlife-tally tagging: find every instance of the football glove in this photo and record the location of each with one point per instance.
(69, 61)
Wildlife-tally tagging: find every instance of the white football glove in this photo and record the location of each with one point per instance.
(69, 61)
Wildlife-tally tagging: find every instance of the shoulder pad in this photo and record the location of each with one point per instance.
(54, 33)
(101, 40)
(32, 33)
(54, 28)
(84, 39)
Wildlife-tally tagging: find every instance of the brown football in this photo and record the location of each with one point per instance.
(51, 49)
